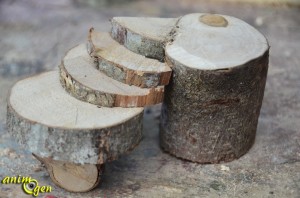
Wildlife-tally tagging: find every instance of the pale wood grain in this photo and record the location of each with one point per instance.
(206, 47)
(72, 177)
(49, 122)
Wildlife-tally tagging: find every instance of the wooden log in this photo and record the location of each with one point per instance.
(211, 106)
(82, 80)
(143, 35)
(124, 65)
(72, 177)
(49, 122)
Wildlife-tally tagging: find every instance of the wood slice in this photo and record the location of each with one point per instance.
(82, 80)
(124, 65)
(72, 177)
(212, 104)
(49, 122)
(143, 35)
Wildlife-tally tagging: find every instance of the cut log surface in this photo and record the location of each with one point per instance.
(72, 177)
(83, 81)
(125, 66)
(49, 122)
(145, 36)
(211, 42)
(211, 106)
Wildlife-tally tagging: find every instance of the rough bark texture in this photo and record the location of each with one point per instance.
(137, 43)
(132, 77)
(84, 93)
(94, 146)
(113, 60)
(209, 116)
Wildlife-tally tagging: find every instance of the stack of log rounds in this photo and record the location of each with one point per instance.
(82, 80)
(214, 68)
(78, 119)
(212, 103)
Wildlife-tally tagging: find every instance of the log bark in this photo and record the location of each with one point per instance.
(145, 36)
(83, 81)
(47, 121)
(125, 66)
(212, 104)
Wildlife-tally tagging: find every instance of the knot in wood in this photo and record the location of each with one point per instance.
(213, 20)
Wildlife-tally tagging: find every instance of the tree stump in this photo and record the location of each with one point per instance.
(50, 123)
(212, 104)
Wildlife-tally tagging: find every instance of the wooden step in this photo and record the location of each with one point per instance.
(144, 35)
(125, 66)
(44, 118)
(82, 80)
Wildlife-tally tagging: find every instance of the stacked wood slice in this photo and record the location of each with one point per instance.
(90, 112)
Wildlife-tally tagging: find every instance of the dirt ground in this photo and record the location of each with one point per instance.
(36, 34)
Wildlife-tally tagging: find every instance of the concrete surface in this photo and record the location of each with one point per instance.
(35, 35)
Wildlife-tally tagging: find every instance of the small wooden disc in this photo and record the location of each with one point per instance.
(72, 177)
